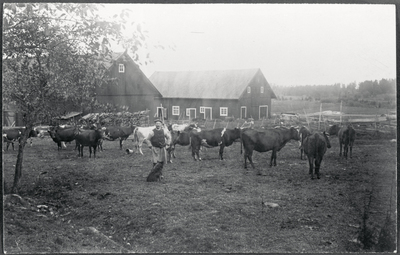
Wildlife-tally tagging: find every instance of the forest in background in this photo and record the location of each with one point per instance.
(375, 93)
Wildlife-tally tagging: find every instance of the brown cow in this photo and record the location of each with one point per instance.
(266, 140)
(303, 133)
(346, 135)
(315, 147)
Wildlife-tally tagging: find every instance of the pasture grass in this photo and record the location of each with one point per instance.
(204, 206)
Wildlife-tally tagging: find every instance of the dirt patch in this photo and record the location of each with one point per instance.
(73, 204)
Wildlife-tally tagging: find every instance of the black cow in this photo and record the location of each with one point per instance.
(221, 137)
(113, 132)
(346, 135)
(333, 130)
(89, 138)
(266, 140)
(14, 134)
(315, 147)
(180, 138)
(59, 134)
(10, 136)
(303, 133)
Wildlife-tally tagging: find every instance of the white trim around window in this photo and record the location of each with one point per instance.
(262, 89)
(248, 89)
(223, 111)
(121, 68)
(245, 112)
(175, 110)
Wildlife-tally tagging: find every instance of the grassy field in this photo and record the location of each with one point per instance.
(73, 204)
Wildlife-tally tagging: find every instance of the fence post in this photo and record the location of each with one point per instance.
(320, 114)
(215, 122)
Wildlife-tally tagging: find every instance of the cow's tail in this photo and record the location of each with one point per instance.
(241, 143)
(316, 147)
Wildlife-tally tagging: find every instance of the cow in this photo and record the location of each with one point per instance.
(177, 127)
(59, 134)
(266, 140)
(333, 130)
(10, 136)
(180, 138)
(303, 133)
(89, 138)
(346, 135)
(221, 137)
(113, 132)
(180, 135)
(140, 134)
(15, 134)
(91, 127)
(315, 146)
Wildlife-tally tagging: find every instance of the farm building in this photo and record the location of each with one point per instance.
(132, 89)
(213, 94)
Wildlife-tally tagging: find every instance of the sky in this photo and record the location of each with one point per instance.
(292, 44)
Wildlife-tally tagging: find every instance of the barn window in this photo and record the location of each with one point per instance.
(262, 89)
(223, 111)
(175, 110)
(201, 109)
(121, 68)
(248, 89)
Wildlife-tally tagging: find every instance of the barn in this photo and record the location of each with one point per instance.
(213, 94)
(132, 88)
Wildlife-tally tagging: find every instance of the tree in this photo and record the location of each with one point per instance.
(53, 55)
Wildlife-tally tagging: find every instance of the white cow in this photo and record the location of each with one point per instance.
(140, 134)
(179, 127)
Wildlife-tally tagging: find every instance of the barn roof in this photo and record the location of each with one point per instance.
(217, 84)
(108, 62)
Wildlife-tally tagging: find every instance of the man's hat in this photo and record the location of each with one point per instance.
(157, 120)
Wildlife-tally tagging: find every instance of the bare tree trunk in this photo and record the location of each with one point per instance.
(20, 156)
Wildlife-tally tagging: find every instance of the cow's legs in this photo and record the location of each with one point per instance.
(94, 151)
(311, 163)
(317, 166)
(351, 150)
(250, 157)
(340, 144)
(221, 151)
(245, 159)
(139, 147)
(120, 143)
(345, 150)
(273, 158)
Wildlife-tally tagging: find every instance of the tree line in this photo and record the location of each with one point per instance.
(366, 90)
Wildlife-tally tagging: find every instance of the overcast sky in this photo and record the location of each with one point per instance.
(292, 44)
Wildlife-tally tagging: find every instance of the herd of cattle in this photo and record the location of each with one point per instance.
(314, 145)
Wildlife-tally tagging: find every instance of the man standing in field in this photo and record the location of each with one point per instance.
(160, 139)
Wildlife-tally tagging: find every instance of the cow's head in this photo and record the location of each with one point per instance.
(328, 144)
(294, 133)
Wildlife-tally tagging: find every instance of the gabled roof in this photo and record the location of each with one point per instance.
(225, 84)
(108, 62)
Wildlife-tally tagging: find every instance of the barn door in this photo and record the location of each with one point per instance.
(162, 113)
(208, 113)
(263, 112)
(191, 113)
